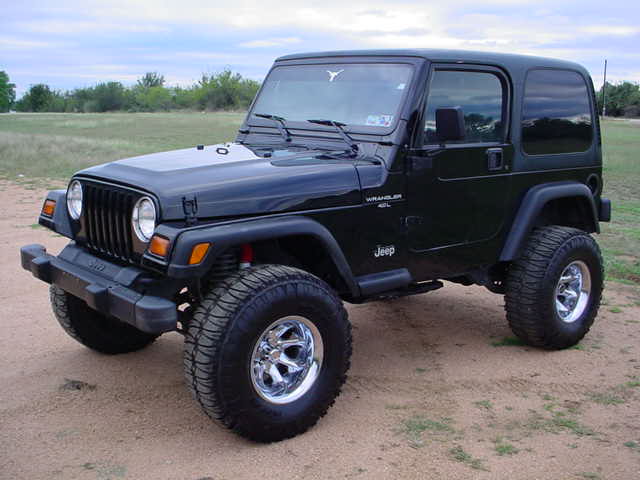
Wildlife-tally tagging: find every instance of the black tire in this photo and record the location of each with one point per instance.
(220, 340)
(93, 329)
(531, 287)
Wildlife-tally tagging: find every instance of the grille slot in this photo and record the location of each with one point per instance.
(107, 215)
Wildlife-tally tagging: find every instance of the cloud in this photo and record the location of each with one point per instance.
(75, 27)
(18, 43)
(270, 42)
(181, 40)
(616, 30)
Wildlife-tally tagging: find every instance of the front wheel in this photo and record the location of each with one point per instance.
(267, 351)
(93, 329)
(553, 290)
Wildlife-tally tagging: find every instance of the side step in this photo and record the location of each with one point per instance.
(392, 284)
(412, 289)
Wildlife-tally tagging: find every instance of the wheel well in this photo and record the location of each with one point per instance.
(301, 251)
(573, 212)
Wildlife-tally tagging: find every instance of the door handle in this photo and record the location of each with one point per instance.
(495, 159)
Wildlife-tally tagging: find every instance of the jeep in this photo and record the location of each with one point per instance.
(356, 176)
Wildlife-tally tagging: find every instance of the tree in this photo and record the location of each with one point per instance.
(225, 90)
(109, 96)
(7, 92)
(153, 98)
(150, 80)
(621, 98)
(37, 99)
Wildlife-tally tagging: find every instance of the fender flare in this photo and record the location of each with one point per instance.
(235, 233)
(532, 204)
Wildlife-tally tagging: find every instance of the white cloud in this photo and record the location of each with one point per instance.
(270, 42)
(20, 43)
(73, 27)
(616, 30)
(191, 36)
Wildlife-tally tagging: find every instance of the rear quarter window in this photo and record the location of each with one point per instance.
(556, 114)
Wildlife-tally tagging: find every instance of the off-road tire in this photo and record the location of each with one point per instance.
(531, 284)
(93, 329)
(221, 336)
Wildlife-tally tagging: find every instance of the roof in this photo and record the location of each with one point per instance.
(507, 60)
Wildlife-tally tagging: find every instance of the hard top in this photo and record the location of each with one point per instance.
(508, 61)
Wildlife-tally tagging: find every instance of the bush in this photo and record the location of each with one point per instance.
(620, 97)
(90, 106)
(7, 92)
(225, 91)
(221, 91)
(153, 98)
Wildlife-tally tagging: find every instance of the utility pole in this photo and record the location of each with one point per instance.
(604, 91)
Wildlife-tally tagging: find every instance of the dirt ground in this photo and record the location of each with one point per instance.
(437, 389)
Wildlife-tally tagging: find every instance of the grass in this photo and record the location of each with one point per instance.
(606, 398)
(54, 146)
(616, 395)
(57, 145)
(560, 420)
(415, 426)
(620, 239)
(504, 448)
(484, 404)
(460, 455)
(591, 476)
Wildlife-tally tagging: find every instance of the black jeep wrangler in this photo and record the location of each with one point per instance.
(356, 176)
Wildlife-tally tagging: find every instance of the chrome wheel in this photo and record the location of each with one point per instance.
(286, 360)
(573, 291)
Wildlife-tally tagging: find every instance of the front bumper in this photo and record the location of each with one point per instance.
(104, 286)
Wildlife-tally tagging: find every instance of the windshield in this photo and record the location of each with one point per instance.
(367, 95)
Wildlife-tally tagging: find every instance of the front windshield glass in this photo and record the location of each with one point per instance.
(367, 95)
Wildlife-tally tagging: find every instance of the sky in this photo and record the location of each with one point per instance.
(75, 43)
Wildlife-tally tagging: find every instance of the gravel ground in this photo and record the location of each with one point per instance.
(437, 389)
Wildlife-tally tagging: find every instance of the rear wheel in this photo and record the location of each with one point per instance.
(267, 351)
(553, 290)
(93, 329)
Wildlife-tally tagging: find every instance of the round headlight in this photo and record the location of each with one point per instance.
(74, 199)
(144, 218)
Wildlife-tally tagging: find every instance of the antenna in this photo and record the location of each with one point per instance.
(604, 91)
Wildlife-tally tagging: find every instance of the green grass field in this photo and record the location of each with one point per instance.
(57, 145)
(34, 147)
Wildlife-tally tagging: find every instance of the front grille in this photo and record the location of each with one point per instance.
(107, 219)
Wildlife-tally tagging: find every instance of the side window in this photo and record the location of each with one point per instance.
(556, 115)
(479, 94)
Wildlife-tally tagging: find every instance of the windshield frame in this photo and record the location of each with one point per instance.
(331, 62)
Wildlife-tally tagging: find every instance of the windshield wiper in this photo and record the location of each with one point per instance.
(339, 126)
(279, 121)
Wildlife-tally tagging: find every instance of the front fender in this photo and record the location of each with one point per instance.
(239, 232)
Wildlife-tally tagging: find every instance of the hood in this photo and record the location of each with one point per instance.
(232, 179)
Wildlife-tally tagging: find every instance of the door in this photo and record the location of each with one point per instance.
(457, 191)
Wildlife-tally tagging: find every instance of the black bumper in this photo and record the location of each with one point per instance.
(103, 285)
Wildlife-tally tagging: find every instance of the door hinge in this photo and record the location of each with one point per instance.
(190, 207)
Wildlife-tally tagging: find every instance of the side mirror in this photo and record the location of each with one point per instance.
(450, 124)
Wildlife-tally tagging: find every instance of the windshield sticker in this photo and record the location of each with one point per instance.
(401, 86)
(379, 120)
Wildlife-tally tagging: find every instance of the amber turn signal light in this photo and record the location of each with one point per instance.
(198, 252)
(49, 207)
(159, 246)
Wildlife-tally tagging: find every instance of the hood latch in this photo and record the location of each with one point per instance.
(190, 207)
